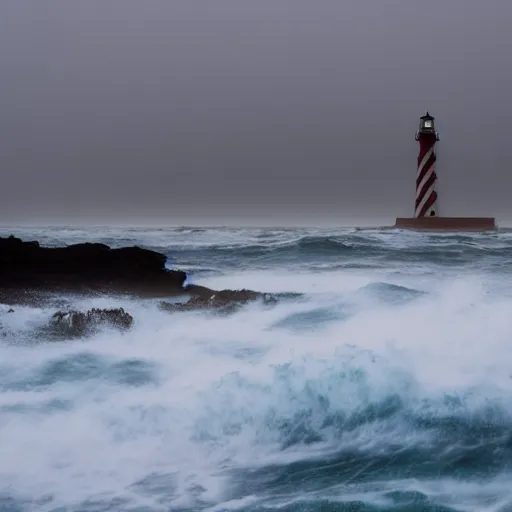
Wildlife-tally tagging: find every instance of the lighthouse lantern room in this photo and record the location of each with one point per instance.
(427, 127)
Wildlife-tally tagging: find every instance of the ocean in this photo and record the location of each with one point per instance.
(381, 381)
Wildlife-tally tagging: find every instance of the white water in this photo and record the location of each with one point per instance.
(221, 384)
(174, 412)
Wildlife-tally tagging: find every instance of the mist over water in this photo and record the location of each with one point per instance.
(383, 385)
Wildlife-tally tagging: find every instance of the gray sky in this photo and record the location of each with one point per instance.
(277, 111)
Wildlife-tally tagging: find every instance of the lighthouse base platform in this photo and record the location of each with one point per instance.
(447, 223)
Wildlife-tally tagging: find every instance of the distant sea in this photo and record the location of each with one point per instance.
(381, 382)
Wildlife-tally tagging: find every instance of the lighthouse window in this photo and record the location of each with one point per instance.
(428, 124)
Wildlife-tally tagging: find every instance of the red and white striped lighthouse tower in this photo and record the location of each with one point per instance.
(426, 216)
(426, 177)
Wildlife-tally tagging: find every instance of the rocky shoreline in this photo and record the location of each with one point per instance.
(31, 274)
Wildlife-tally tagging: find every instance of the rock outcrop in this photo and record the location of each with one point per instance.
(225, 301)
(30, 274)
(78, 323)
(87, 267)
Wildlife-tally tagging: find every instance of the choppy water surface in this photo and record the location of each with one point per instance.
(386, 386)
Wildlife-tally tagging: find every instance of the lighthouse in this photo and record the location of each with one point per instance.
(426, 177)
(426, 216)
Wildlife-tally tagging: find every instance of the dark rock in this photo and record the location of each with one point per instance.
(77, 323)
(26, 268)
(225, 301)
(31, 274)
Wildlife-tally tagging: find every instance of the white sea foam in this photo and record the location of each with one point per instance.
(218, 389)
(111, 436)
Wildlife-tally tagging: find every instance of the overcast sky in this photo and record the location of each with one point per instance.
(184, 111)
